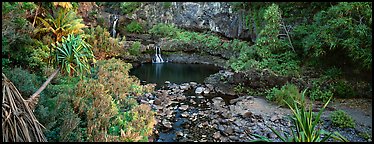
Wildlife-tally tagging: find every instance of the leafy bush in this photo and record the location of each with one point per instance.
(343, 89)
(166, 5)
(341, 119)
(343, 30)
(103, 45)
(25, 82)
(129, 7)
(135, 49)
(164, 30)
(318, 94)
(134, 27)
(102, 108)
(288, 93)
(17, 44)
(269, 51)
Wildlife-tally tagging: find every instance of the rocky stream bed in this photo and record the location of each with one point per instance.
(194, 112)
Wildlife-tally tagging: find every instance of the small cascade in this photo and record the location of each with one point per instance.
(114, 26)
(157, 58)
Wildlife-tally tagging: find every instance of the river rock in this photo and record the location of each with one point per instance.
(206, 91)
(183, 107)
(179, 134)
(167, 82)
(184, 87)
(199, 90)
(229, 130)
(217, 135)
(274, 118)
(247, 114)
(185, 114)
(193, 84)
(166, 124)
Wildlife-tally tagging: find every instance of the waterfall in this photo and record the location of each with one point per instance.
(158, 58)
(114, 26)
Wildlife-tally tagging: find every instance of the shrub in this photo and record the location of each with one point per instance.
(25, 82)
(341, 119)
(343, 30)
(103, 45)
(164, 30)
(135, 48)
(166, 5)
(318, 94)
(288, 93)
(129, 7)
(134, 27)
(343, 89)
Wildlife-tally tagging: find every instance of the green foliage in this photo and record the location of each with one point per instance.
(73, 55)
(135, 49)
(343, 89)
(269, 51)
(102, 108)
(129, 7)
(134, 27)
(341, 119)
(342, 30)
(25, 82)
(288, 93)
(17, 44)
(61, 22)
(39, 56)
(164, 30)
(103, 45)
(306, 125)
(239, 88)
(166, 5)
(318, 94)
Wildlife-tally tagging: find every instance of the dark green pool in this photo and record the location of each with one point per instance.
(173, 72)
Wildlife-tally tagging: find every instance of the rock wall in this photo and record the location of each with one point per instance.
(214, 16)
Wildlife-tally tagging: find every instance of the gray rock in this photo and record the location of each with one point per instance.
(193, 84)
(167, 124)
(217, 135)
(185, 114)
(179, 134)
(199, 90)
(167, 82)
(183, 107)
(271, 135)
(206, 91)
(184, 87)
(234, 138)
(229, 130)
(247, 114)
(274, 118)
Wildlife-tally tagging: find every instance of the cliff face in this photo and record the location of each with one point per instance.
(214, 16)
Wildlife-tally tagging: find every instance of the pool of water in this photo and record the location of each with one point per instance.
(173, 72)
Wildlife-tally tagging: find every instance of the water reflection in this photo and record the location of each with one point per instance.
(173, 72)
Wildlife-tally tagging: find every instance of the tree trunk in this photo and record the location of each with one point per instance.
(34, 98)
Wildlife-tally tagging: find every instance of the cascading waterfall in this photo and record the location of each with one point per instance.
(114, 26)
(158, 58)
